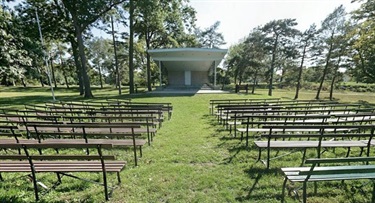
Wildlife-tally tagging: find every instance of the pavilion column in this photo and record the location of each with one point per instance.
(214, 74)
(161, 82)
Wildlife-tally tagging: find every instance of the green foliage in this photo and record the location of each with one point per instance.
(210, 37)
(14, 58)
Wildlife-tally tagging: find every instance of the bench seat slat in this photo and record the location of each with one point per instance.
(310, 144)
(332, 177)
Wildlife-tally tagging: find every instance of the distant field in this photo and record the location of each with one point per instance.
(192, 158)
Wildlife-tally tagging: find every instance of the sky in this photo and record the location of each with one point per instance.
(238, 17)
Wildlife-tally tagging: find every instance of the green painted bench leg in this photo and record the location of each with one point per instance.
(348, 153)
(304, 194)
(283, 190)
(373, 192)
(259, 154)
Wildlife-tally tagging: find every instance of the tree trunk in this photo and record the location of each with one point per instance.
(78, 66)
(100, 78)
(23, 82)
(40, 77)
(325, 68)
(334, 78)
(53, 73)
(62, 68)
(66, 79)
(81, 48)
(131, 47)
(118, 78)
(272, 65)
(254, 81)
(300, 72)
(148, 61)
(225, 79)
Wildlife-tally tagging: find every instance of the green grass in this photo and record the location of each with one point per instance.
(192, 159)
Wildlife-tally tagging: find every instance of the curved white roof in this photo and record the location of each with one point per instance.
(193, 59)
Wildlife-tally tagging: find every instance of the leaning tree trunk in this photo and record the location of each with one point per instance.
(66, 79)
(300, 71)
(118, 77)
(272, 65)
(23, 82)
(325, 68)
(85, 77)
(78, 66)
(40, 77)
(334, 79)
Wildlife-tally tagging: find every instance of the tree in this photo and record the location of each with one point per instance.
(161, 23)
(210, 37)
(306, 39)
(363, 54)
(331, 26)
(14, 56)
(278, 34)
(84, 14)
(112, 17)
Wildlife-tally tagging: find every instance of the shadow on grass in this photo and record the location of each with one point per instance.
(33, 99)
(13, 199)
(256, 174)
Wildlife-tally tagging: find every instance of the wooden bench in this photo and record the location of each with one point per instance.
(252, 123)
(238, 116)
(338, 169)
(242, 87)
(115, 134)
(166, 107)
(215, 102)
(315, 136)
(61, 164)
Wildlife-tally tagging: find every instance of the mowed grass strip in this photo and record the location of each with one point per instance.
(192, 159)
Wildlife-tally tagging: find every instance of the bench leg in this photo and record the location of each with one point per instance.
(348, 152)
(247, 138)
(33, 177)
(105, 186)
(373, 192)
(268, 157)
(303, 156)
(259, 154)
(304, 193)
(118, 177)
(361, 152)
(1, 177)
(135, 154)
(148, 139)
(283, 190)
(58, 178)
(140, 151)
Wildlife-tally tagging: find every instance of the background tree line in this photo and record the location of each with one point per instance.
(76, 56)
(278, 52)
(274, 52)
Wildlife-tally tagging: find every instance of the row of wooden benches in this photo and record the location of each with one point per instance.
(61, 164)
(109, 106)
(312, 130)
(58, 129)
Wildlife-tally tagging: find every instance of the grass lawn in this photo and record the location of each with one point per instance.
(192, 159)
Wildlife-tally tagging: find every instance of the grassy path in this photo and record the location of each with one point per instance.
(186, 162)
